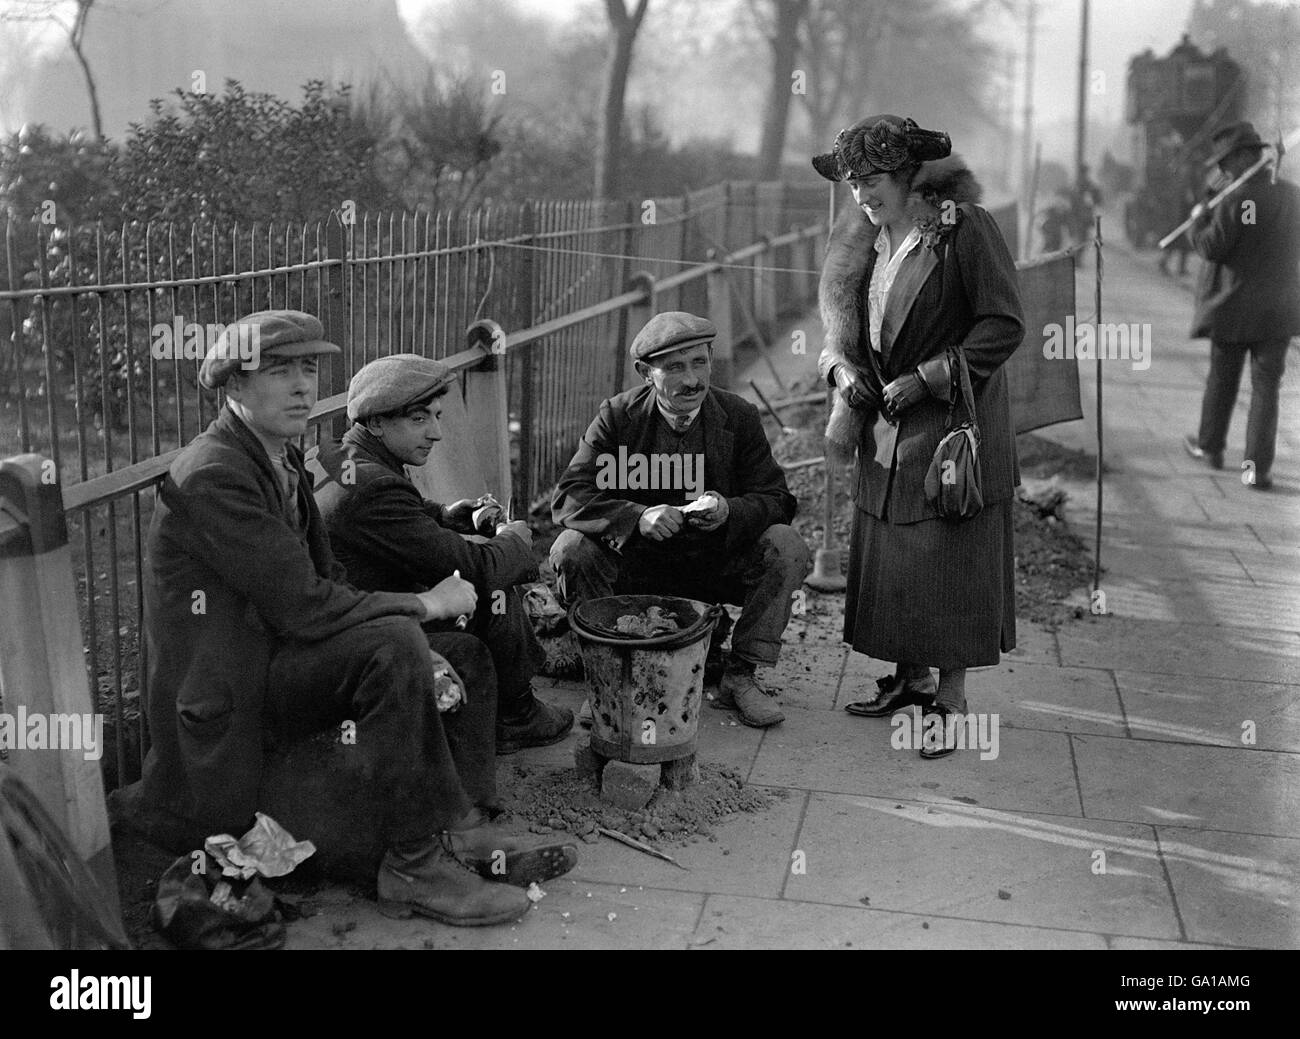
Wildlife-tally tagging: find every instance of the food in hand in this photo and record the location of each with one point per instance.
(701, 509)
(449, 694)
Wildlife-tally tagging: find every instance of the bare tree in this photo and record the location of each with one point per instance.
(783, 37)
(623, 29)
(841, 38)
(47, 11)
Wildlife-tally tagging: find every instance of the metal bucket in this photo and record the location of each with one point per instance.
(646, 693)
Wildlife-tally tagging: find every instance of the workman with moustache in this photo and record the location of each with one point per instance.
(390, 539)
(255, 641)
(630, 539)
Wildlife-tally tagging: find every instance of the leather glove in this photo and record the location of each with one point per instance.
(904, 392)
(933, 378)
(854, 388)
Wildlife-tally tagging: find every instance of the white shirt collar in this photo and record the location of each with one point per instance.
(672, 416)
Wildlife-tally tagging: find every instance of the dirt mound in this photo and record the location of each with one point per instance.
(562, 800)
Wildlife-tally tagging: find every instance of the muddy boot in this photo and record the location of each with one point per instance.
(430, 881)
(539, 725)
(495, 854)
(741, 691)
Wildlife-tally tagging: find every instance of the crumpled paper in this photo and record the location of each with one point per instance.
(267, 849)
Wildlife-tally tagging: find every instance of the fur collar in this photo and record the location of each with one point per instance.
(850, 248)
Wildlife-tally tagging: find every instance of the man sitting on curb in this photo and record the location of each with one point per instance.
(253, 637)
(390, 539)
(628, 533)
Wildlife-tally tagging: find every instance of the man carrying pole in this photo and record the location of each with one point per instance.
(1247, 298)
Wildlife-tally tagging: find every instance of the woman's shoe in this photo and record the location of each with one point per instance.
(895, 694)
(947, 741)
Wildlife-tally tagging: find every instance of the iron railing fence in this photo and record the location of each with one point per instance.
(83, 381)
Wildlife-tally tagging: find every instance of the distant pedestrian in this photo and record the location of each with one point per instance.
(1247, 301)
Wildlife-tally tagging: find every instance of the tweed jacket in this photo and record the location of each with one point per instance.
(738, 464)
(389, 538)
(229, 578)
(962, 290)
(1248, 290)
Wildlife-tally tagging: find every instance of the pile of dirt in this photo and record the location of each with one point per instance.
(562, 800)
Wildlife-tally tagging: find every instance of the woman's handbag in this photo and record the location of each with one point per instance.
(952, 483)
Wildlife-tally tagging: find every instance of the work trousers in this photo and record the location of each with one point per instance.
(1267, 362)
(423, 770)
(516, 654)
(761, 580)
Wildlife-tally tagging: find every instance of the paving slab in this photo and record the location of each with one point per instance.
(806, 675)
(1181, 649)
(753, 923)
(1267, 568)
(1211, 710)
(1040, 696)
(1126, 944)
(959, 860)
(643, 918)
(1233, 888)
(833, 751)
(1175, 564)
(1214, 788)
(1235, 603)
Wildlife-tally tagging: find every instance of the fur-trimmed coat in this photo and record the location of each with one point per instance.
(959, 287)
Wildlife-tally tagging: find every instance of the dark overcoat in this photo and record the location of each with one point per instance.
(1248, 290)
(228, 577)
(388, 537)
(738, 464)
(963, 292)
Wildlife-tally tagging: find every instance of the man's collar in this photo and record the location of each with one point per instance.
(673, 416)
(274, 450)
(360, 437)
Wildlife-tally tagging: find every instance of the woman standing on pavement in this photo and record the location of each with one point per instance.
(917, 277)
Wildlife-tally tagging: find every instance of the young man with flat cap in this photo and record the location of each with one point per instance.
(389, 538)
(718, 532)
(1247, 301)
(254, 640)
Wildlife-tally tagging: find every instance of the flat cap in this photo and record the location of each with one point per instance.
(391, 383)
(267, 333)
(671, 330)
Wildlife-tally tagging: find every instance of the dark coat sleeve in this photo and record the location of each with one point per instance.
(579, 504)
(1215, 239)
(993, 292)
(259, 556)
(389, 522)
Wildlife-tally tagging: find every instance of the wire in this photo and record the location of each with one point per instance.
(657, 259)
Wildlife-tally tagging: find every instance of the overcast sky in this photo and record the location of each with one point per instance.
(1120, 29)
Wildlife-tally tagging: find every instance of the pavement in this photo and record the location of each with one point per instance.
(1145, 788)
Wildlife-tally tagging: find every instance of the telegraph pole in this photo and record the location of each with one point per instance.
(1027, 135)
(1080, 132)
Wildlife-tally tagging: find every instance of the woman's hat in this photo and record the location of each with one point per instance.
(880, 144)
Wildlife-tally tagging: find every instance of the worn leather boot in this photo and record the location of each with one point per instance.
(497, 855)
(433, 883)
(741, 691)
(539, 725)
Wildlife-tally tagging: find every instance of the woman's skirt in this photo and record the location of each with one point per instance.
(935, 592)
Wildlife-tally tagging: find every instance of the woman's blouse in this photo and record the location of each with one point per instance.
(883, 275)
